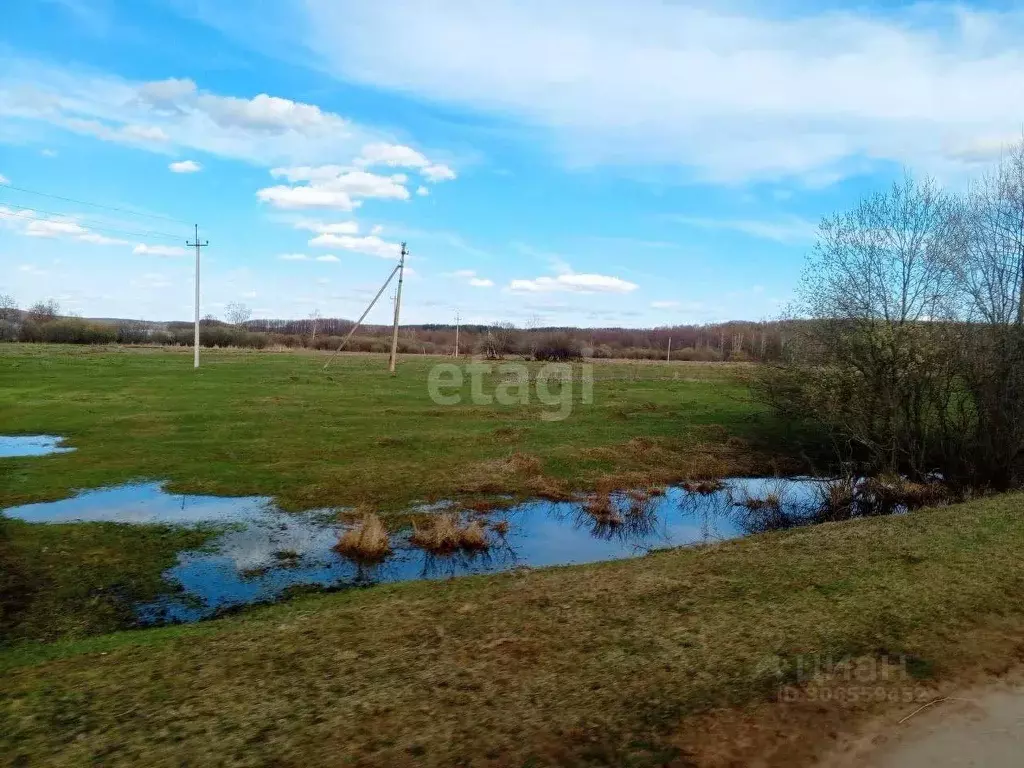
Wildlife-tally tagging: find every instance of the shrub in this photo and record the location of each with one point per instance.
(558, 347)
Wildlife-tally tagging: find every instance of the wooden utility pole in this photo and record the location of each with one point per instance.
(457, 318)
(668, 355)
(398, 309)
(197, 245)
(362, 317)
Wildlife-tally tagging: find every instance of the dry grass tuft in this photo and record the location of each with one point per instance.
(445, 534)
(440, 535)
(473, 537)
(501, 527)
(366, 541)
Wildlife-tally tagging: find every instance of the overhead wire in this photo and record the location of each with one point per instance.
(95, 205)
(90, 224)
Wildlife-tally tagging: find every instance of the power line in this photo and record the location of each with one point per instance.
(86, 223)
(94, 205)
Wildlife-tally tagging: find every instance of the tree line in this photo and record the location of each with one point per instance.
(909, 353)
(43, 322)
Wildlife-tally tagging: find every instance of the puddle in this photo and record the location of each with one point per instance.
(267, 552)
(31, 445)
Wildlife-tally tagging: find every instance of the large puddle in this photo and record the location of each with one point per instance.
(31, 445)
(265, 552)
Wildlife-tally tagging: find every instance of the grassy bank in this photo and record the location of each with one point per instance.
(617, 663)
(263, 423)
(74, 580)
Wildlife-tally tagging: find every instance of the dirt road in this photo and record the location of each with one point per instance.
(982, 727)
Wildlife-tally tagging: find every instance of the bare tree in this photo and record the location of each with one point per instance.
(8, 308)
(237, 313)
(871, 360)
(43, 311)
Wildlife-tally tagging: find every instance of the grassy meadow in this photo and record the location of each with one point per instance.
(659, 660)
(275, 424)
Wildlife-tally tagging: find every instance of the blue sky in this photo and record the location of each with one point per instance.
(585, 163)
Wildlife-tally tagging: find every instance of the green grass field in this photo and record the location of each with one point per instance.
(262, 423)
(660, 660)
(612, 664)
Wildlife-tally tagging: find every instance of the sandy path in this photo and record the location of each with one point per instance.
(979, 727)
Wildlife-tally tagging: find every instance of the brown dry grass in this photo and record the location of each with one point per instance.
(367, 540)
(501, 527)
(445, 533)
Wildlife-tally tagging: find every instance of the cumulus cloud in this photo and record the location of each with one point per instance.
(369, 244)
(573, 282)
(158, 250)
(4, 179)
(292, 198)
(341, 191)
(185, 166)
(293, 257)
(733, 94)
(328, 257)
(422, 191)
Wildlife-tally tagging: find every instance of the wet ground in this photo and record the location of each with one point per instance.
(31, 445)
(263, 553)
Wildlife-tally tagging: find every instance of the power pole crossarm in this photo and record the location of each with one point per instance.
(398, 309)
(198, 246)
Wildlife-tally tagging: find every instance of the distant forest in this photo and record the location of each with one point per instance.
(737, 340)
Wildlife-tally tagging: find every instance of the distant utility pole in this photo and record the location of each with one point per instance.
(668, 356)
(197, 245)
(457, 318)
(398, 309)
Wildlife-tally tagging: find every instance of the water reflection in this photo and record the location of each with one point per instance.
(264, 554)
(31, 445)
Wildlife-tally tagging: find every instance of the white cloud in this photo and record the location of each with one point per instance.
(4, 179)
(328, 257)
(291, 198)
(48, 152)
(789, 229)
(369, 244)
(337, 228)
(158, 250)
(340, 191)
(422, 191)
(293, 257)
(575, 283)
(732, 93)
(470, 277)
(664, 304)
(185, 166)
(377, 229)
(315, 173)
(438, 173)
(394, 155)
(168, 114)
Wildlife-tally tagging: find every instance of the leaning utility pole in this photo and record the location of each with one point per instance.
(457, 318)
(197, 245)
(668, 356)
(398, 308)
